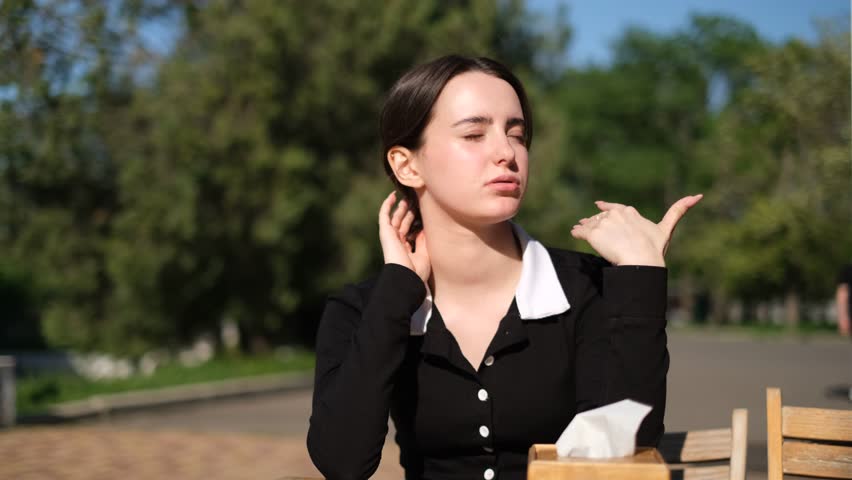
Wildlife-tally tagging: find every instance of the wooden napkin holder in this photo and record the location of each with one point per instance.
(545, 464)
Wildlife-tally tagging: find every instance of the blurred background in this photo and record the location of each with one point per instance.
(182, 184)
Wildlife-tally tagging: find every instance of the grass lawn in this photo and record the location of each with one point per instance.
(36, 393)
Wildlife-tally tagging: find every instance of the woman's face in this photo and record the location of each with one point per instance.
(473, 160)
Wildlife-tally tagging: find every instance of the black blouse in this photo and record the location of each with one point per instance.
(454, 421)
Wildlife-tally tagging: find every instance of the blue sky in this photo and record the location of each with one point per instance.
(596, 23)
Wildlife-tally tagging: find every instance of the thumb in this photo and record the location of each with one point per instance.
(677, 211)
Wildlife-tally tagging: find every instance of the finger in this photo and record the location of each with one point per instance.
(386, 233)
(384, 210)
(593, 220)
(607, 206)
(405, 226)
(579, 232)
(401, 208)
(677, 211)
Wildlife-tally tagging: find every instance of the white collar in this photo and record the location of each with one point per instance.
(539, 293)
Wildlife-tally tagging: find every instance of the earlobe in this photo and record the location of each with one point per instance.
(404, 165)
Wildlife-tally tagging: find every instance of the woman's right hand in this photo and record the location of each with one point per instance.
(392, 232)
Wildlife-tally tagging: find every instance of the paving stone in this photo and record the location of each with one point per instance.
(72, 452)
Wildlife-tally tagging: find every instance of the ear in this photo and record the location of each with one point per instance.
(403, 162)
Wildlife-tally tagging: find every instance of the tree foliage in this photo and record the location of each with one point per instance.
(781, 204)
(149, 194)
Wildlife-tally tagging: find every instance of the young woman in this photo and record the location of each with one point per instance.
(476, 339)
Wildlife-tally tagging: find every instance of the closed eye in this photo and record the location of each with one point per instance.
(474, 136)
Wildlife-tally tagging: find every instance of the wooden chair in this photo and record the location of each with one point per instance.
(820, 433)
(718, 454)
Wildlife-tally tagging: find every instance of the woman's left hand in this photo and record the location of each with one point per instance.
(624, 237)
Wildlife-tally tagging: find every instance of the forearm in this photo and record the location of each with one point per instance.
(354, 376)
(635, 306)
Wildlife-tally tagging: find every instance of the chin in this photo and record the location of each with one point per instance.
(479, 211)
(502, 210)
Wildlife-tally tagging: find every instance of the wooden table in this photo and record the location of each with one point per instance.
(545, 464)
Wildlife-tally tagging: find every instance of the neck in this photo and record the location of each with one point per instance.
(470, 260)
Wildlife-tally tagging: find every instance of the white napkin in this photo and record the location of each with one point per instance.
(604, 432)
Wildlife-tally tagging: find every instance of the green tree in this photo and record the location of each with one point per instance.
(778, 216)
(633, 126)
(64, 82)
(252, 188)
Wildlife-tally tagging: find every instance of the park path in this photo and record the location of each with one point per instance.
(262, 437)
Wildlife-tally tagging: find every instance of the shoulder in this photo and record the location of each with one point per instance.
(354, 295)
(393, 283)
(395, 292)
(577, 271)
(343, 309)
(579, 262)
(395, 286)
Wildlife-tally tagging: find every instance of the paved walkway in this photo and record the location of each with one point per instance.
(94, 454)
(263, 437)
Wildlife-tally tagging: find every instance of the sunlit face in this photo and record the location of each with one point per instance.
(473, 160)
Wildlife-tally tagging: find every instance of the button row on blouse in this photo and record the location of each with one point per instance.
(483, 430)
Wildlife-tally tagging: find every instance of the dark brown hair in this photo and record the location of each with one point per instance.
(408, 110)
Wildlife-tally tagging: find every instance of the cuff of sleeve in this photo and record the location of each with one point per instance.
(399, 289)
(635, 291)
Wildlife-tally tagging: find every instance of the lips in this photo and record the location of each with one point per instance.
(506, 183)
(505, 179)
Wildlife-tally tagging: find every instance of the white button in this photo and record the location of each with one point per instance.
(483, 395)
(488, 449)
(489, 474)
(483, 430)
(489, 360)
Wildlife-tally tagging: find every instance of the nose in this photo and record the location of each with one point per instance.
(504, 150)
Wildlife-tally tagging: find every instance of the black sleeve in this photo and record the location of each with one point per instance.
(634, 306)
(358, 352)
(620, 340)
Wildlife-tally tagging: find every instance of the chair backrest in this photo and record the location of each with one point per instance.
(818, 449)
(718, 454)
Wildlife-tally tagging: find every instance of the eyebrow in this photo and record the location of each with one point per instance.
(481, 120)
